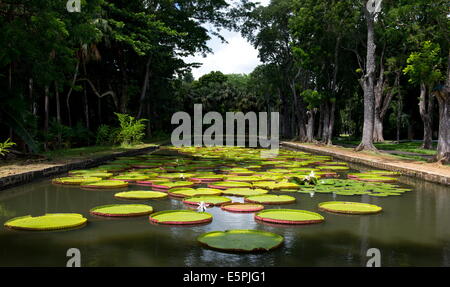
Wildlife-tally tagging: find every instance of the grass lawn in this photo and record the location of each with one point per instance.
(389, 145)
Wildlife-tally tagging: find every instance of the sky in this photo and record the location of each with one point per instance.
(235, 57)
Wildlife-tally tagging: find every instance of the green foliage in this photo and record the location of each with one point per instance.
(423, 65)
(131, 130)
(103, 136)
(312, 98)
(5, 146)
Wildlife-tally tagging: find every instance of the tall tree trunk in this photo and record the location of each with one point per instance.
(86, 107)
(320, 129)
(144, 88)
(326, 121)
(399, 112)
(443, 148)
(310, 126)
(425, 108)
(75, 75)
(368, 84)
(328, 140)
(58, 111)
(46, 110)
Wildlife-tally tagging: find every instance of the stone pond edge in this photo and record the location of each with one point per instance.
(27, 177)
(425, 175)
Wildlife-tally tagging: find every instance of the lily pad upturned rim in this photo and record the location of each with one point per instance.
(260, 216)
(277, 240)
(194, 200)
(134, 194)
(253, 199)
(94, 211)
(179, 192)
(241, 207)
(118, 184)
(230, 184)
(375, 208)
(75, 219)
(207, 218)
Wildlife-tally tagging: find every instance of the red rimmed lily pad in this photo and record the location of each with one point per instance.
(289, 216)
(122, 210)
(180, 217)
(242, 207)
(271, 199)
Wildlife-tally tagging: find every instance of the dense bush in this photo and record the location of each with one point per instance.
(131, 130)
(5, 146)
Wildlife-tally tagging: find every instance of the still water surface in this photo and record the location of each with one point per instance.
(413, 230)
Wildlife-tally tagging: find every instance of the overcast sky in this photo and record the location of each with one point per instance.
(235, 57)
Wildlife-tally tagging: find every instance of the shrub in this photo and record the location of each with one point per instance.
(5, 146)
(131, 130)
(103, 136)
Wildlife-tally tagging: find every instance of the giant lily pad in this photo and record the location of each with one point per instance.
(51, 221)
(141, 194)
(289, 216)
(209, 200)
(105, 184)
(242, 207)
(241, 240)
(271, 199)
(229, 184)
(244, 191)
(180, 217)
(75, 180)
(349, 207)
(122, 210)
(190, 192)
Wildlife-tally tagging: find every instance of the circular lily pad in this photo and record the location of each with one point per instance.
(276, 185)
(289, 216)
(141, 194)
(75, 180)
(180, 217)
(241, 240)
(163, 186)
(229, 184)
(131, 177)
(349, 207)
(271, 199)
(209, 200)
(122, 210)
(244, 191)
(242, 207)
(105, 184)
(190, 192)
(51, 221)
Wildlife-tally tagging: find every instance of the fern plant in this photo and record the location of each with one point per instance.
(5, 146)
(131, 131)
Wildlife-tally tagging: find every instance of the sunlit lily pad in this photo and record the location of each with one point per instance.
(241, 240)
(122, 210)
(51, 221)
(180, 217)
(289, 216)
(349, 207)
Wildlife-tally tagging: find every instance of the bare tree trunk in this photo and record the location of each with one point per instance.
(75, 75)
(86, 107)
(320, 129)
(368, 84)
(399, 112)
(331, 124)
(144, 88)
(310, 126)
(58, 111)
(326, 121)
(46, 111)
(425, 108)
(443, 148)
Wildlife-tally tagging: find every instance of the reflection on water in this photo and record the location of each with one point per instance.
(413, 230)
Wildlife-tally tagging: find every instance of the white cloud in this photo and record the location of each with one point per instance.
(235, 57)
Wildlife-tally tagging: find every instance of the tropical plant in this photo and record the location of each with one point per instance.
(5, 146)
(103, 135)
(131, 130)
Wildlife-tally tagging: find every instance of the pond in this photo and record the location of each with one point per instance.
(412, 230)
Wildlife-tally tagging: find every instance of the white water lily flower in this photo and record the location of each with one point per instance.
(201, 207)
(312, 174)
